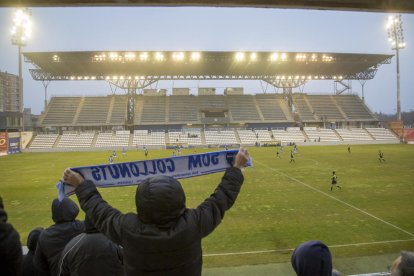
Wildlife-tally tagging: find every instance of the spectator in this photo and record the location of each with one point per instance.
(312, 258)
(28, 268)
(10, 247)
(91, 253)
(403, 265)
(53, 239)
(164, 238)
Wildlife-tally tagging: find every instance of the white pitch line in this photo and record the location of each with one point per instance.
(337, 199)
(291, 249)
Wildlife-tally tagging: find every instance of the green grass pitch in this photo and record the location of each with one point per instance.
(280, 205)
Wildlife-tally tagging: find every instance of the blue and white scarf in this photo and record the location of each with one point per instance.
(134, 173)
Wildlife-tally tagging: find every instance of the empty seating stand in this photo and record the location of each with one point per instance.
(382, 134)
(153, 110)
(144, 138)
(321, 134)
(61, 111)
(220, 137)
(354, 134)
(191, 138)
(94, 111)
(119, 109)
(243, 108)
(302, 108)
(354, 108)
(247, 136)
(270, 107)
(43, 141)
(290, 135)
(110, 140)
(182, 109)
(324, 108)
(76, 140)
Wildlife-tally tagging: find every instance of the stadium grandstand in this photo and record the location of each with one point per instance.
(149, 117)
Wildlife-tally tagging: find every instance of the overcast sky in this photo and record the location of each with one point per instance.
(212, 29)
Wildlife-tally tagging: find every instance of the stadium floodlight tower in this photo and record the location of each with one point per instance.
(21, 31)
(396, 37)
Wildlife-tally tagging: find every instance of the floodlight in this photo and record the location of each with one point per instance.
(239, 56)
(72, 77)
(22, 27)
(113, 56)
(136, 77)
(159, 56)
(178, 56)
(93, 78)
(114, 77)
(121, 77)
(283, 56)
(274, 57)
(143, 56)
(195, 56)
(253, 57)
(296, 77)
(130, 56)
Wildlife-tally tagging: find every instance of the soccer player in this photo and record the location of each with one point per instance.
(277, 154)
(349, 149)
(179, 151)
(146, 151)
(124, 151)
(334, 181)
(292, 157)
(381, 156)
(111, 159)
(114, 153)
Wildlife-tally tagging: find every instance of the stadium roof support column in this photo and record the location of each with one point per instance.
(287, 84)
(132, 86)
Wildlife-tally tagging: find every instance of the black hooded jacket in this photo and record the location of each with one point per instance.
(165, 237)
(312, 258)
(28, 268)
(53, 239)
(10, 247)
(91, 253)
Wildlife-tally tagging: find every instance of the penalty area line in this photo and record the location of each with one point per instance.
(291, 249)
(337, 199)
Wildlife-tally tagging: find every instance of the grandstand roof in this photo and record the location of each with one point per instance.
(355, 5)
(101, 65)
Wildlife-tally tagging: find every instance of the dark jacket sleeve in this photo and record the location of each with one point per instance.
(211, 211)
(106, 219)
(40, 260)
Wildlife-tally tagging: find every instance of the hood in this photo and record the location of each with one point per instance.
(312, 258)
(63, 211)
(3, 214)
(160, 200)
(33, 238)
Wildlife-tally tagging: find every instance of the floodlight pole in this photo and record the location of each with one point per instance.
(396, 37)
(398, 84)
(21, 82)
(20, 32)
